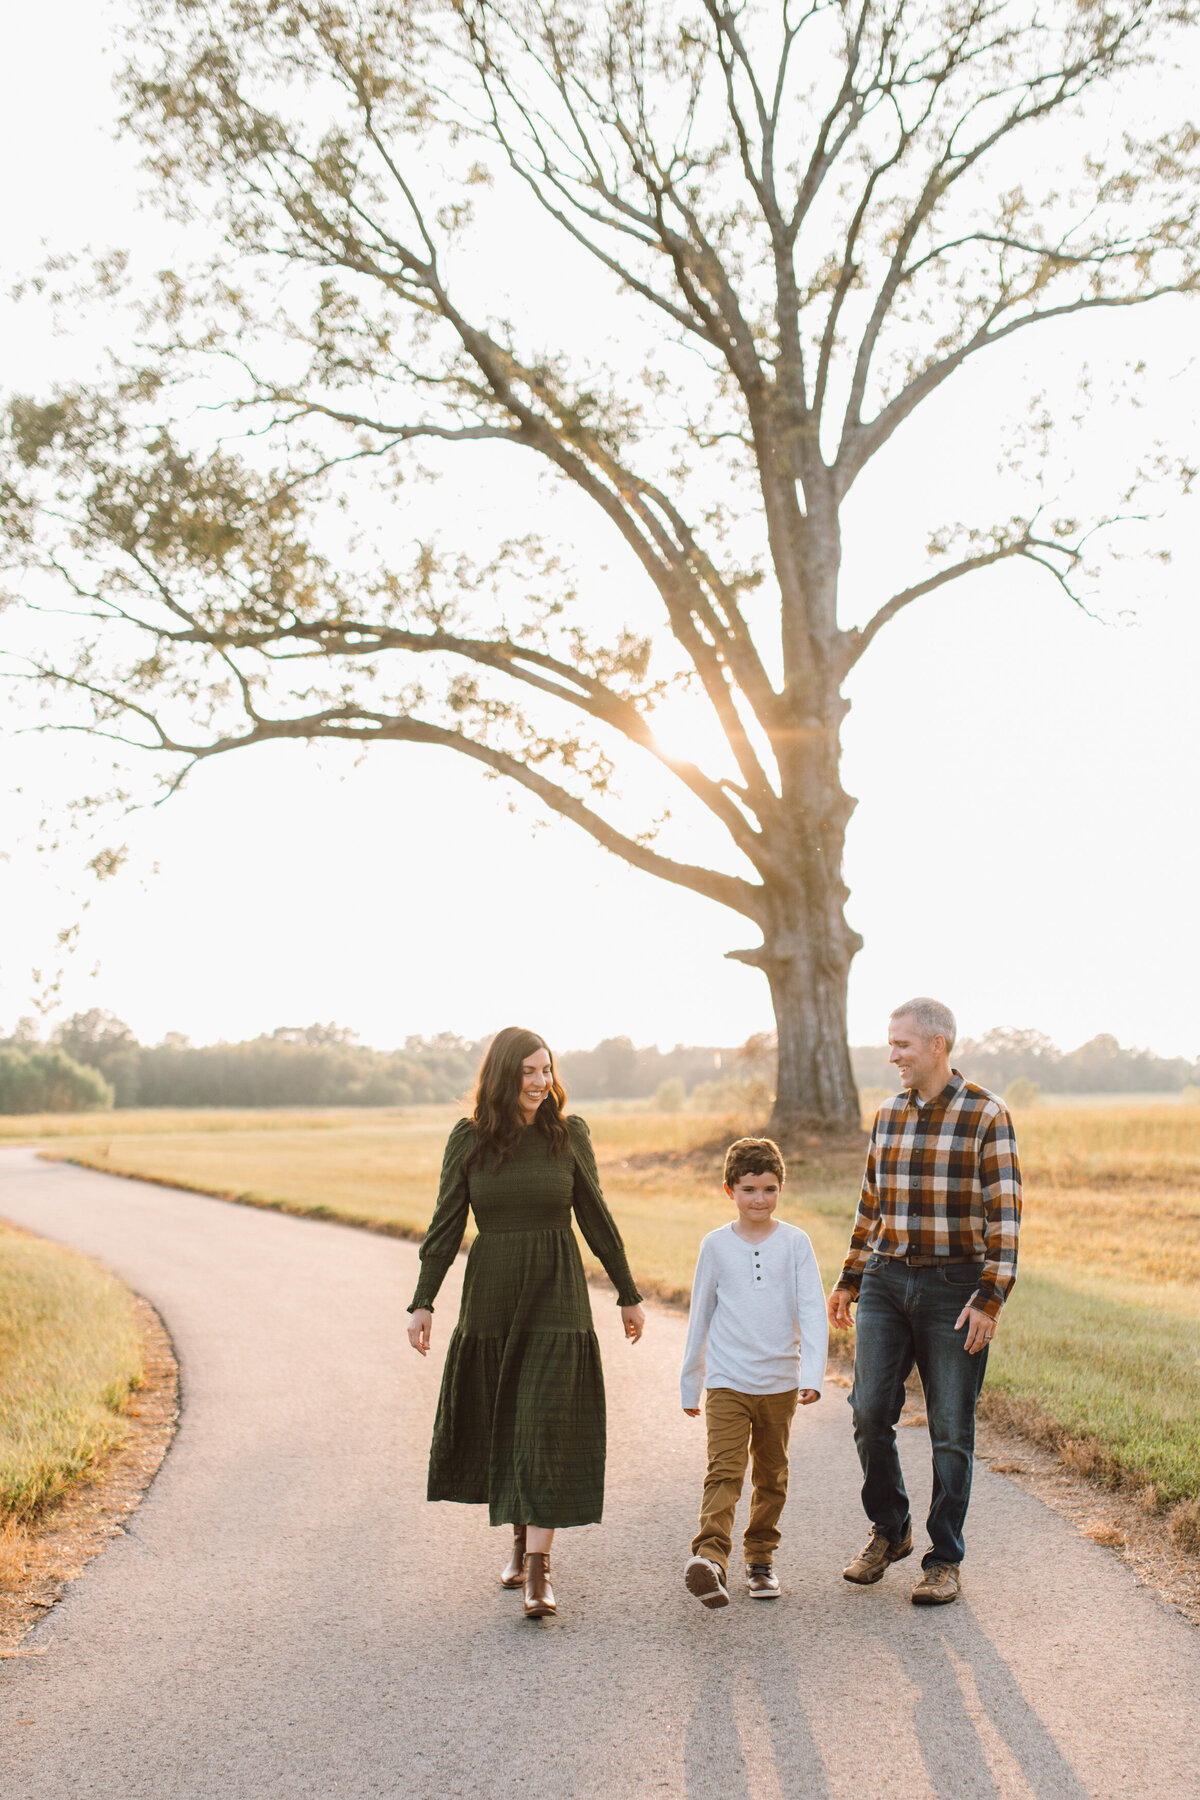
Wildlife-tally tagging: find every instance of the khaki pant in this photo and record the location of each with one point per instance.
(741, 1426)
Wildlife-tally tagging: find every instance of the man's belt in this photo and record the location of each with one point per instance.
(932, 1262)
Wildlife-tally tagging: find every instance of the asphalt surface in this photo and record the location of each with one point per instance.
(288, 1617)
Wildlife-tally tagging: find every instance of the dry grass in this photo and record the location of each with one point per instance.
(1116, 1146)
(1137, 1236)
(38, 1558)
(378, 1167)
(14, 1553)
(101, 1128)
(69, 1355)
(1185, 1526)
(1101, 1531)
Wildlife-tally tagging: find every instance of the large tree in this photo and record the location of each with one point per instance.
(810, 217)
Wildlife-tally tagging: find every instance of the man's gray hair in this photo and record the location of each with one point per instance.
(931, 1017)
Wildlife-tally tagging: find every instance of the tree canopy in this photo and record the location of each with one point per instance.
(685, 269)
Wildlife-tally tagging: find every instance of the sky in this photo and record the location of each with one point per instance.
(1027, 776)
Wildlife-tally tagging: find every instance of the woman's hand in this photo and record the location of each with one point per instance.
(634, 1321)
(420, 1327)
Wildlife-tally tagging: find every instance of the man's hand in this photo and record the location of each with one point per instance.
(806, 1396)
(840, 1302)
(693, 1412)
(981, 1329)
(420, 1325)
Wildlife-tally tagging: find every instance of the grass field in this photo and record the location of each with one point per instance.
(69, 1354)
(1101, 1342)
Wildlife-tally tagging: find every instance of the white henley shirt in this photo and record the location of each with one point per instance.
(758, 1310)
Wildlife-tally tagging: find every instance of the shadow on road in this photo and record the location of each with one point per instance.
(972, 1730)
(747, 1726)
(974, 1726)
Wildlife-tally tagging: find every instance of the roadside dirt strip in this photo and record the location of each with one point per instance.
(287, 1619)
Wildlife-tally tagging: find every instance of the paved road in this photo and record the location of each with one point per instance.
(288, 1618)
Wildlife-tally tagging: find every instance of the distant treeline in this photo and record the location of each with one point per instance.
(315, 1065)
(94, 1061)
(1003, 1056)
(617, 1070)
(33, 1080)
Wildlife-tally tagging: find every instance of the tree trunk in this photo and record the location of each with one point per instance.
(814, 1087)
(806, 959)
(807, 944)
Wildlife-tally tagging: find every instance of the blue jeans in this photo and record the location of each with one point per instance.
(906, 1316)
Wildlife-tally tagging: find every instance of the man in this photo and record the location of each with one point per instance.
(933, 1256)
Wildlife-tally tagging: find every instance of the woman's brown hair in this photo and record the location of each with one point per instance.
(497, 1115)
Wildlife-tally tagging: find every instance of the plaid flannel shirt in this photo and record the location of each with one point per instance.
(942, 1179)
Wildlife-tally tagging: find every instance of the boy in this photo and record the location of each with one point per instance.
(758, 1306)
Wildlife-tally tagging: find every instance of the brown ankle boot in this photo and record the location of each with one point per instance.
(539, 1595)
(514, 1574)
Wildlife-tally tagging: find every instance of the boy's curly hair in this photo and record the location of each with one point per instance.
(753, 1156)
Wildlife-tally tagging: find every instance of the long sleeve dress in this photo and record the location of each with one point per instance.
(520, 1422)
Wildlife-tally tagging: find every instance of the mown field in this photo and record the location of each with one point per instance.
(1101, 1343)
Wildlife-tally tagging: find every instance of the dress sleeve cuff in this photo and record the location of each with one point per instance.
(629, 1297)
(420, 1305)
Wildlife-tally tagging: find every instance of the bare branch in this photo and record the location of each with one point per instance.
(1023, 544)
(871, 438)
(351, 724)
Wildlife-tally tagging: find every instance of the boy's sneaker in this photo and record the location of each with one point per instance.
(762, 1581)
(706, 1579)
(872, 1563)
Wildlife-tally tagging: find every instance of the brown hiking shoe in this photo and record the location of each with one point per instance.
(938, 1586)
(871, 1564)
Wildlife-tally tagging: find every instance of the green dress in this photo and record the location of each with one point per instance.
(520, 1419)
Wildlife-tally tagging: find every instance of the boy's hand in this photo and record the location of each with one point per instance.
(840, 1302)
(808, 1395)
(693, 1412)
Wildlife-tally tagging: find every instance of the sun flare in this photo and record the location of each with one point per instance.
(684, 729)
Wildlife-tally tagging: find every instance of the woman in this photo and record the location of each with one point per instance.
(520, 1420)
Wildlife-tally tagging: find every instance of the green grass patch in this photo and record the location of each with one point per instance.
(1120, 1379)
(70, 1352)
